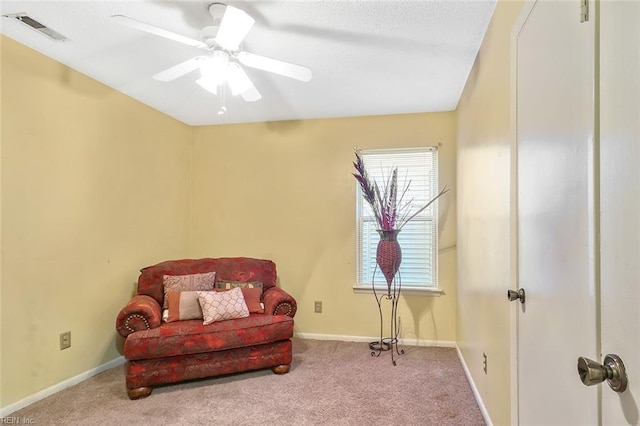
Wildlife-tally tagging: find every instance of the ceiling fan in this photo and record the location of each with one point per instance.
(222, 62)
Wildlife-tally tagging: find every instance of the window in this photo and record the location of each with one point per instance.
(419, 237)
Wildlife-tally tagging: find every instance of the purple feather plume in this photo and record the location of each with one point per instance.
(389, 208)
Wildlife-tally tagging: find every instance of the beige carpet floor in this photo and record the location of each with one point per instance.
(330, 383)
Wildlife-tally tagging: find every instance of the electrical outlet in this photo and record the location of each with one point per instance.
(318, 307)
(65, 340)
(484, 362)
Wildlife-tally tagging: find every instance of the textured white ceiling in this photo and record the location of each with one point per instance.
(368, 57)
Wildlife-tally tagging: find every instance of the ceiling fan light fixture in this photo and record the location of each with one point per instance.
(234, 27)
(214, 69)
(238, 79)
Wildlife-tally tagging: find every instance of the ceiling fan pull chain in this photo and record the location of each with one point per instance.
(223, 97)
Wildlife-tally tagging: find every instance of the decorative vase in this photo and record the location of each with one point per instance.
(389, 255)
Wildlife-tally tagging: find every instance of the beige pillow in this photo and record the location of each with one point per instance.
(222, 305)
(193, 282)
(183, 305)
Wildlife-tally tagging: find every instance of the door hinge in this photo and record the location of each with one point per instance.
(584, 11)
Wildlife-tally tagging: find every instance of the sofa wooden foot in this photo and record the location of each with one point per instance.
(282, 369)
(138, 393)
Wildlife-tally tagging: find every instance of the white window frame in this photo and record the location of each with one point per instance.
(364, 220)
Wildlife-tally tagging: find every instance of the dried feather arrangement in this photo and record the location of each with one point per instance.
(389, 207)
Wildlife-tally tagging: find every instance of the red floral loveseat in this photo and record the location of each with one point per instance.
(159, 352)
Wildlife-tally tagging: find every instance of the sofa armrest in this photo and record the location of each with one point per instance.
(141, 313)
(279, 302)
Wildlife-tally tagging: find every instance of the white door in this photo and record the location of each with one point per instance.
(578, 211)
(556, 224)
(620, 201)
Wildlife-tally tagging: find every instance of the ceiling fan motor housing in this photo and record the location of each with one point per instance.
(208, 34)
(216, 10)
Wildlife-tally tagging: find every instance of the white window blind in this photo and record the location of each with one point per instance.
(419, 237)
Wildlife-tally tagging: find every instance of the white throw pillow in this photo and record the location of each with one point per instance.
(224, 305)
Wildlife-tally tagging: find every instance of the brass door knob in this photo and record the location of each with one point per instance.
(613, 371)
(516, 295)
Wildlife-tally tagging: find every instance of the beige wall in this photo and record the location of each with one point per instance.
(284, 191)
(94, 186)
(484, 155)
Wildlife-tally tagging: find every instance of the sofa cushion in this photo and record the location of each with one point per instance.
(157, 371)
(222, 305)
(192, 337)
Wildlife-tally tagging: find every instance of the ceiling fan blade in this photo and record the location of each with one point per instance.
(151, 29)
(239, 82)
(286, 69)
(234, 27)
(179, 70)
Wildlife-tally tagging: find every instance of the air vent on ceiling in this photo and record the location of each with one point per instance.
(41, 28)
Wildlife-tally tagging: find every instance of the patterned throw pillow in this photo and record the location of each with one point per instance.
(192, 282)
(183, 305)
(228, 285)
(222, 305)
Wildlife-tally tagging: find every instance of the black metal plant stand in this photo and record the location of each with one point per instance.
(388, 343)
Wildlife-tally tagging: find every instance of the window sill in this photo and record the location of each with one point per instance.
(407, 291)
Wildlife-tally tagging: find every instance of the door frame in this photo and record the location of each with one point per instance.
(527, 8)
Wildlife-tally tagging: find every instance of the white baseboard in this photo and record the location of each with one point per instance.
(474, 389)
(343, 338)
(5, 411)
